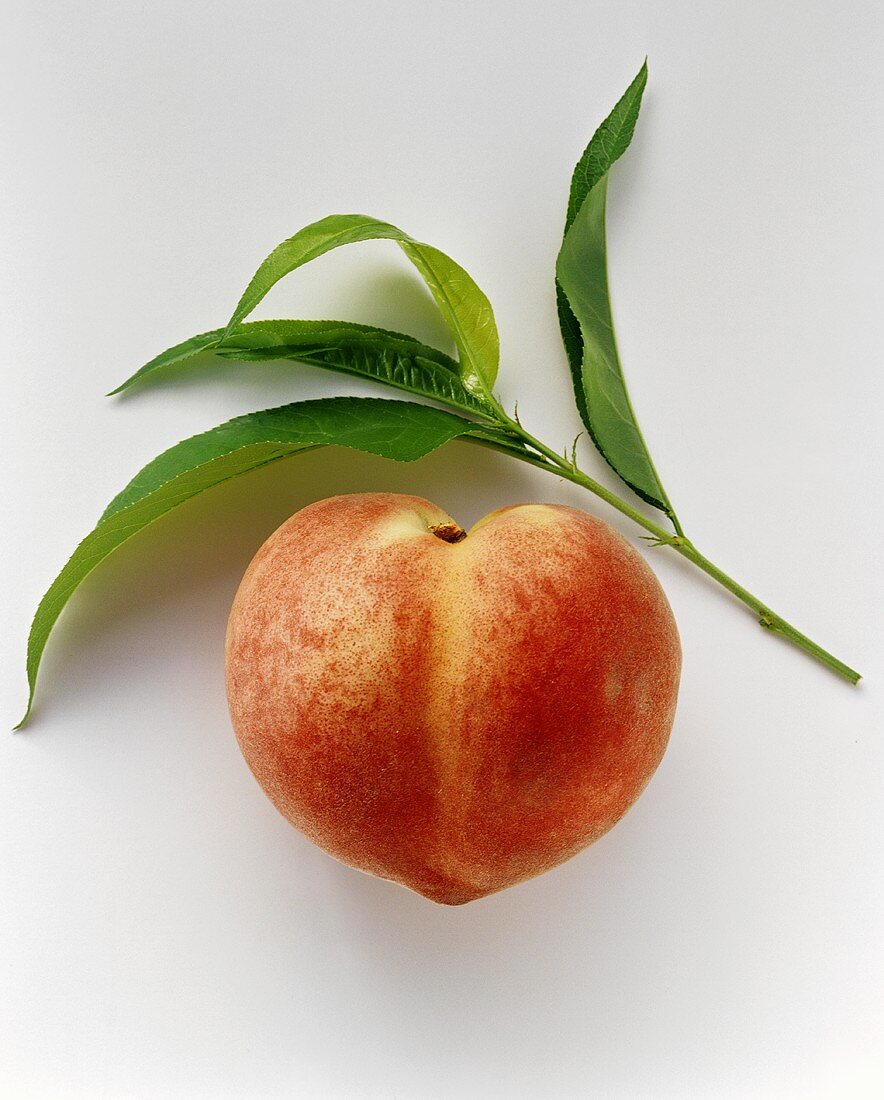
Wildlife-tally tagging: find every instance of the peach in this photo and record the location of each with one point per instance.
(454, 712)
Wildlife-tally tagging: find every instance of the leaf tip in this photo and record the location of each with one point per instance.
(641, 77)
(125, 385)
(22, 722)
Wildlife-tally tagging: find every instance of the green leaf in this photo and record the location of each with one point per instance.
(179, 353)
(464, 307)
(608, 143)
(582, 271)
(584, 306)
(391, 358)
(572, 338)
(399, 430)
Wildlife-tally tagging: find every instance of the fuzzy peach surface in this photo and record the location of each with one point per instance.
(456, 716)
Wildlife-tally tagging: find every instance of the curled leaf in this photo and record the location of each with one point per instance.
(464, 307)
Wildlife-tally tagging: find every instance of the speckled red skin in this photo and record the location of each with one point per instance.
(454, 717)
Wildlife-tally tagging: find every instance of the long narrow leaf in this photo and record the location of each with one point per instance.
(582, 270)
(399, 430)
(608, 144)
(464, 307)
(391, 358)
(585, 308)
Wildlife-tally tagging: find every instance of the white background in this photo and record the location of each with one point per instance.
(163, 933)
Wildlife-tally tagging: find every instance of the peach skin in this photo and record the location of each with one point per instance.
(452, 711)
